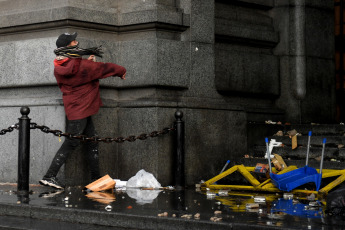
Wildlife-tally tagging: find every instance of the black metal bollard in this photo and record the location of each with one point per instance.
(179, 151)
(24, 151)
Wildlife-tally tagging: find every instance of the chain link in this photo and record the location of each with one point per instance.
(9, 129)
(132, 138)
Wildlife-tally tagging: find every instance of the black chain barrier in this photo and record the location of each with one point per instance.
(59, 133)
(132, 138)
(9, 129)
(24, 126)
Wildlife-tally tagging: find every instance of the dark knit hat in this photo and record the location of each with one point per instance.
(64, 39)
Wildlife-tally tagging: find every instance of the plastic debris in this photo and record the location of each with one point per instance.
(143, 196)
(120, 183)
(197, 216)
(260, 199)
(223, 192)
(273, 143)
(143, 179)
(252, 205)
(217, 212)
(288, 196)
(108, 208)
(210, 195)
(311, 197)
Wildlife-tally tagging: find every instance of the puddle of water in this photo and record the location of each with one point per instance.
(229, 207)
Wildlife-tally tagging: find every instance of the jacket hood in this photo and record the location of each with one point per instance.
(67, 67)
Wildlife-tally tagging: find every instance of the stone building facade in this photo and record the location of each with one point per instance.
(222, 63)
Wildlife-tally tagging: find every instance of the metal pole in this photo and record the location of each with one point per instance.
(308, 148)
(179, 151)
(268, 154)
(24, 151)
(322, 154)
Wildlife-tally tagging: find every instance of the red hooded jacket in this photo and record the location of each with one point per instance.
(78, 81)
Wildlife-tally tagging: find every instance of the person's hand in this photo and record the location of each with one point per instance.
(92, 58)
(123, 77)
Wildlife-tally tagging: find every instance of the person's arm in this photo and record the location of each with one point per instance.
(98, 70)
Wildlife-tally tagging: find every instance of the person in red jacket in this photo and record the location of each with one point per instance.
(78, 80)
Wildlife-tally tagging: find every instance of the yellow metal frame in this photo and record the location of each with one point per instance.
(267, 185)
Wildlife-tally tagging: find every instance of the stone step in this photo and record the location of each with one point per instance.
(318, 130)
(299, 163)
(331, 154)
(314, 140)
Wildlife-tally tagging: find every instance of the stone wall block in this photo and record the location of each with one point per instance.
(202, 21)
(238, 72)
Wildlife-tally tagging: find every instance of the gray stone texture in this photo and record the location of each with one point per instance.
(307, 71)
(223, 63)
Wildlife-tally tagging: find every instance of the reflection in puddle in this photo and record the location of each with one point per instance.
(296, 208)
(102, 197)
(295, 211)
(143, 196)
(275, 205)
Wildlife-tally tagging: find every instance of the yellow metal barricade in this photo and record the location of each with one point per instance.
(267, 185)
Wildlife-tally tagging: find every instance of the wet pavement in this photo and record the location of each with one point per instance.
(167, 209)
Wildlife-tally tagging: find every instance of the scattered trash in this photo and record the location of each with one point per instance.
(262, 170)
(340, 146)
(186, 216)
(210, 195)
(217, 212)
(246, 156)
(223, 192)
(260, 199)
(143, 179)
(197, 216)
(108, 208)
(292, 133)
(314, 204)
(288, 196)
(102, 184)
(273, 143)
(294, 142)
(215, 219)
(119, 183)
(279, 133)
(252, 205)
(173, 215)
(164, 214)
(311, 197)
(278, 162)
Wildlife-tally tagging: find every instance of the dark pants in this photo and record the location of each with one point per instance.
(84, 126)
